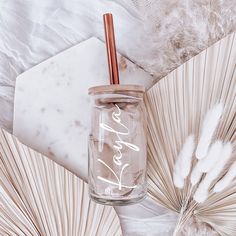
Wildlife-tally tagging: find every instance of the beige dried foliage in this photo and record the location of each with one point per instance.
(176, 108)
(39, 197)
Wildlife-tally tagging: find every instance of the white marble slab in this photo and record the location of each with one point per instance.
(51, 108)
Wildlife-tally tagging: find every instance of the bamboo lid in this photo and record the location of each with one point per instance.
(116, 88)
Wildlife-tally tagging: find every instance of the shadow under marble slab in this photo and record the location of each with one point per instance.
(51, 107)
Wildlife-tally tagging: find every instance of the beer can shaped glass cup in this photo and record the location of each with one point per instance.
(117, 144)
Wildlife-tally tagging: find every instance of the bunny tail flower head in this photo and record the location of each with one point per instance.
(207, 163)
(184, 161)
(210, 123)
(178, 180)
(195, 176)
(202, 192)
(226, 180)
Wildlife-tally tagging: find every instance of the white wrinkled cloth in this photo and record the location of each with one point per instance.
(146, 218)
(157, 35)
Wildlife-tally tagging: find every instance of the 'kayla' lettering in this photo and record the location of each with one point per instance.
(118, 147)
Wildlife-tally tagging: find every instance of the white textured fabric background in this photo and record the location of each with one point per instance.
(158, 35)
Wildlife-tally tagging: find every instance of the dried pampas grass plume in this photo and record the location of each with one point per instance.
(175, 31)
(197, 98)
(39, 197)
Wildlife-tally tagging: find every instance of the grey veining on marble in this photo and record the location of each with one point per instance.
(51, 111)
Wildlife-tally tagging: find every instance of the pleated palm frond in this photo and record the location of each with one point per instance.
(39, 197)
(178, 111)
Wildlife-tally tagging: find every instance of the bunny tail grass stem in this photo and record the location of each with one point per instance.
(179, 223)
(182, 211)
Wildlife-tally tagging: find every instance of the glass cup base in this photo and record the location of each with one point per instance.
(117, 202)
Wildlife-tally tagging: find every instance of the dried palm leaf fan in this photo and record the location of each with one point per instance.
(192, 143)
(39, 197)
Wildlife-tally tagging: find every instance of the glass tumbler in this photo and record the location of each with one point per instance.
(117, 145)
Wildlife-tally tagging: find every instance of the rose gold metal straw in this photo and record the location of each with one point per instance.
(111, 48)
